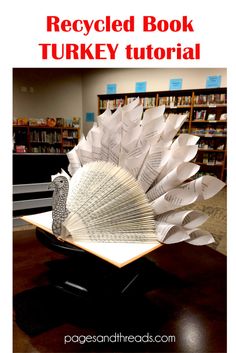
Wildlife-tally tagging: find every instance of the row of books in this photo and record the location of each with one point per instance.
(45, 149)
(211, 144)
(209, 131)
(66, 149)
(210, 99)
(175, 101)
(202, 115)
(210, 158)
(199, 115)
(70, 134)
(48, 122)
(111, 103)
(45, 136)
(69, 143)
(147, 102)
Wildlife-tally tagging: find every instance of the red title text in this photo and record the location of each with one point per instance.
(112, 51)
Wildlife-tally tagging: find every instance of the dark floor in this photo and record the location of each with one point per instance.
(176, 294)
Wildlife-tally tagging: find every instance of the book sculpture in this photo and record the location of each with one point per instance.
(129, 177)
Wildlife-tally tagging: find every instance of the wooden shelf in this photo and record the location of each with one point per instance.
(210, 121)
(36, 136)
(209, 135)
(178, 106)
(210, 165)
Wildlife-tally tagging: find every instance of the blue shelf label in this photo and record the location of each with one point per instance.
(89, 117)
(213, 81)
(175, 84)
(140, 86)
(111, 88)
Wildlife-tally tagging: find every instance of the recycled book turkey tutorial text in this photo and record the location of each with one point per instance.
(111, 51)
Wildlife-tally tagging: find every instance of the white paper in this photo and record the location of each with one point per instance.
(131, 105)
(183, 140)
(188, 218)
(177, 156)
(204, 187)
(84, 151)
(152, 114)
(199, 189)
(74, 161)
(151, 131)
(152, 166)
(132, 117)
(173, 199)
(102, 119)
(172, 126)
(200, 237)
(170, 233)
(134, 161)
(176, 177)
(62, 173)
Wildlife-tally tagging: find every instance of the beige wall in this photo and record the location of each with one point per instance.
(40, 93)
(73, 92)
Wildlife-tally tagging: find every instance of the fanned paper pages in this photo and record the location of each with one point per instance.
(106, 203)
(142, 175)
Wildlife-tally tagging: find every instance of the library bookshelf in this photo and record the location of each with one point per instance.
(40, 137)
(206, 110)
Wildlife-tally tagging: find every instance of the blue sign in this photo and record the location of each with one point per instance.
(89, 117)
(175, 84)
(111, 88)
(213, 81)
(140, 86)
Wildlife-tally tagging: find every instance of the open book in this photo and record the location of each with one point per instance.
(118, 254)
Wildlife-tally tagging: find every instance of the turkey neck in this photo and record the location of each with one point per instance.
(59, 201)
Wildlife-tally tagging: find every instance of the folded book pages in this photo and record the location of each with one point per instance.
(128, 177)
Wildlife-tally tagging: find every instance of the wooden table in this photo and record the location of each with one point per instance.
(181, 293)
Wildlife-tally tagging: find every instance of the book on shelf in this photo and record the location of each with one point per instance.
(148, 102)
(223, 117)
(174, 101)
(199, 115)
(211, 159)
(211, 117)
(20, 121)
(68, 122)
(51, 122)
(131, 99)
(45, 136)
(76, 121)
(210, 99)
(20, 148)
(59, 122)
(45, 149)
(210, 131)
(72, 122)
(206, 144)
(111, 103)
(37, 122)
(205, 158)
